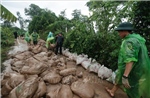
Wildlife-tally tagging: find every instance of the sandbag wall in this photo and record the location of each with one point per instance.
(91, 65)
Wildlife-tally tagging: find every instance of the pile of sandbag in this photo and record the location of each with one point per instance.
(90, 64)
(42, 74)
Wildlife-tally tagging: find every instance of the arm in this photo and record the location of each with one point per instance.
(128, 69)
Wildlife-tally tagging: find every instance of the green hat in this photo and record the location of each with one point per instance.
(124, 26)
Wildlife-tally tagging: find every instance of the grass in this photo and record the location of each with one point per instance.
(4, 52)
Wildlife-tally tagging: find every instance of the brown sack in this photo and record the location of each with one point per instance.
(52, 78)
(28, 88)
(31, 61)
(69, 79)
(68, 71)
(41, 89)
(16, 79)
(6, 89)
(18, 64)
(65, 92)
(82, 89)
(75, 96)
(35, 69)
(53, 90)
(12, 94)
(37, 49)
(24, 55)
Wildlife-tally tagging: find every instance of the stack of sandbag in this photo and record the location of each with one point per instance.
(36, 75)
(94, 66)
(46, 75)
(91, 65)
(81, 58)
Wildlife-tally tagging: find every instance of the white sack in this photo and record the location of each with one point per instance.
(94, 67)
(104, 72)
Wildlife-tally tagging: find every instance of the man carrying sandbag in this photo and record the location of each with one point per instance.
(34, 37)
(27, 38)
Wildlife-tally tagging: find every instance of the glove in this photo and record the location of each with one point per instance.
(125, 82)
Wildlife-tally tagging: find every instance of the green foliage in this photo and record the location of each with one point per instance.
(6, 37)
(103, 48)
(142, 20)
(7, 40)
(7, 15)
(40, 23)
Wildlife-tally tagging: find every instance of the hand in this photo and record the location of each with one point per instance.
(125, 82)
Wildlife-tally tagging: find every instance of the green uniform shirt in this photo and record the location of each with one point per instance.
(35, 36)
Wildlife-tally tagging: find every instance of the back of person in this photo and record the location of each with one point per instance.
(34, 36)
(60, 39)
(141, 68)
(144, 63)
(15, 35)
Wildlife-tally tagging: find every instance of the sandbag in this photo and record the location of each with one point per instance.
(41, 42)
(53, 90)
(24, 55)
(7, 65)
(75, 96)
(41, 89)
(94, 67)
(44, 73)
(34, 69)
(80, 59)
(18, 64)
(69, 79)
(86, 64)
(82, 89)
(37, 49)
(6, 89)
(12, 94)
(104, 72)
(27, 88)
(31, 61)
(15, 79)
(65, 92)
(41, 56)
(61, 66)
(52, 78)
(66, 52)
(68, 71)
(112, 77)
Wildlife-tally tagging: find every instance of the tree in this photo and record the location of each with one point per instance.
(108, 14)
(7, 15)
(33, 10)
(141, 20)
(21, 21)
(40, 22)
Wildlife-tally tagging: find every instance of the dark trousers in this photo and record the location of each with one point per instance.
(58, 47)
(35, 42)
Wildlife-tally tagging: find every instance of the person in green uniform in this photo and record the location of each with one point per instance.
(133, 64)
(27, 38)
(50, 40)
(34, 37)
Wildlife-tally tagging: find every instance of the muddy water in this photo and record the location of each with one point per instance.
(20, 45)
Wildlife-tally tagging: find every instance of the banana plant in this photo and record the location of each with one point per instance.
(7, 15)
